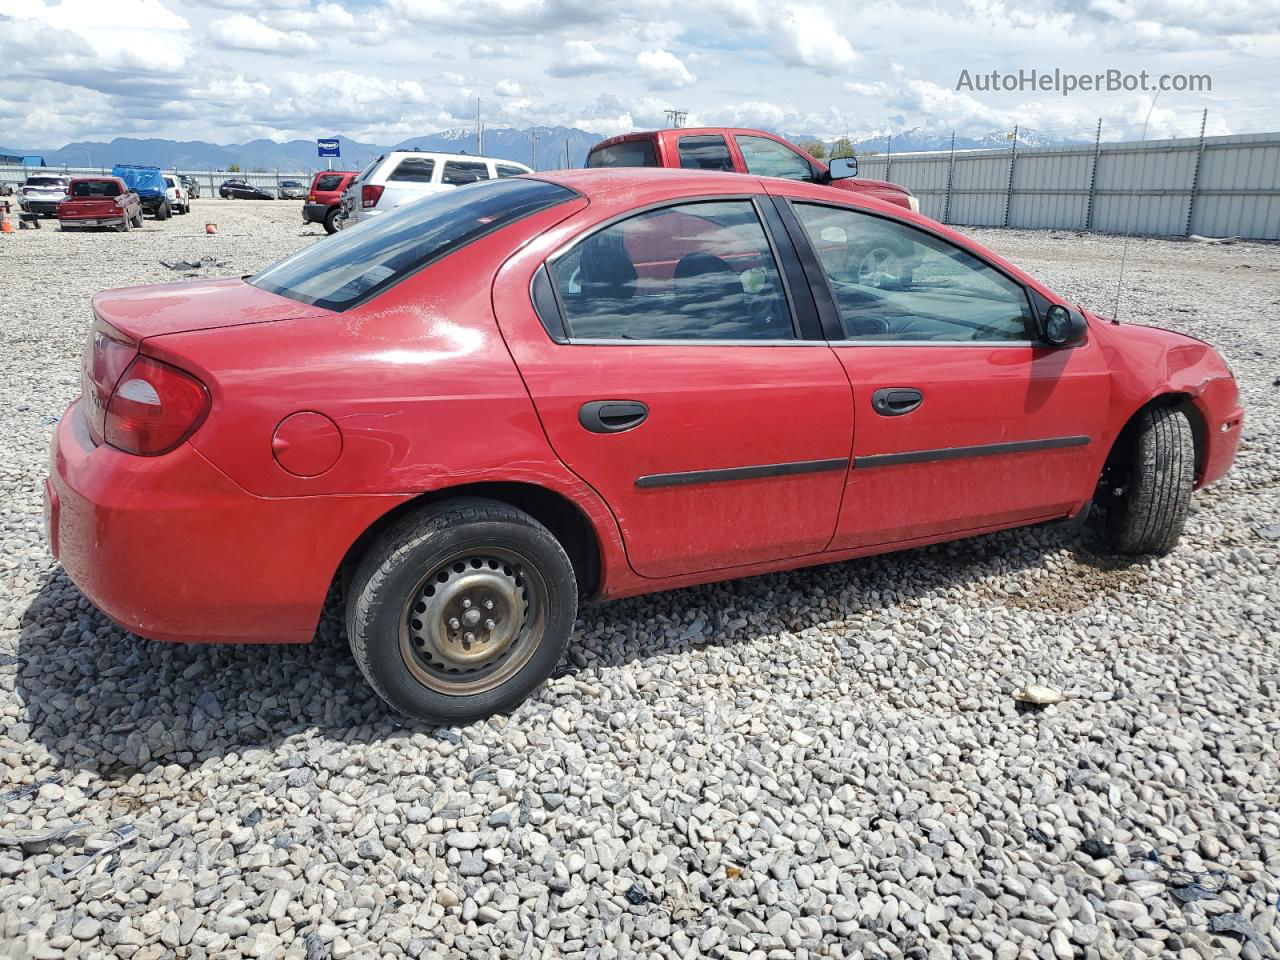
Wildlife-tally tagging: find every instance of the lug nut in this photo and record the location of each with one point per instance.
(468, 637)
(489, 624)
(454, 623)
(466, 603)
(488, 604)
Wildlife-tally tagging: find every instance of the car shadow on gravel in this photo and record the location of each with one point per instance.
(102, 699)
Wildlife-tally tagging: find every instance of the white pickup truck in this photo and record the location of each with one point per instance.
(403, 176)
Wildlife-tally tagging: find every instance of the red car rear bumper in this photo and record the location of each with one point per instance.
(170, 548)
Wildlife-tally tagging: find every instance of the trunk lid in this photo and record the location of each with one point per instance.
(159, 309)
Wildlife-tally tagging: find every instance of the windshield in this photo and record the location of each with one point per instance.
(350, 267)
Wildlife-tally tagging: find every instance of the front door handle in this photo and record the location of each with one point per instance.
(612, 416)
(895, 401)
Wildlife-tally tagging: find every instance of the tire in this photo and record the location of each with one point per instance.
(331, 221)
(137, 220)
(1146, 497)
(124, 225)
(164, 211)
(420, 581)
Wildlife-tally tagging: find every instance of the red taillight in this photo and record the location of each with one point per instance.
(311, 197)
(370, 193)
(154, 408)
(106, 356)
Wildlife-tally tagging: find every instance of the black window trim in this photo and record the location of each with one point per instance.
(811, 338)
(378, 291)
(830, 313)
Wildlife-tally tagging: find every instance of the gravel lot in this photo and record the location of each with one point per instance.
(825, 763)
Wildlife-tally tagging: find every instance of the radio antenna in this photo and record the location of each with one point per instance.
(1124, 250)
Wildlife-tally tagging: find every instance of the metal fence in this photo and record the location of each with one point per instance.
(209, 180)
(1211, 186)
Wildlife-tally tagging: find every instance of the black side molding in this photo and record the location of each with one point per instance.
(962, 453)
(741, 473)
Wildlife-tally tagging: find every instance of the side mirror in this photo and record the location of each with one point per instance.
(1064, 327)
(842, 168)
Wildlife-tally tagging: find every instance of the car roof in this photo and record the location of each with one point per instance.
(683, 132)
(448, 155)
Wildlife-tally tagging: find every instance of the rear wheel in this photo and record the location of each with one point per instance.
(331, 221)
(461, 611)
(1145, 492)
(137, 218)
(164, 212)
(124, 225)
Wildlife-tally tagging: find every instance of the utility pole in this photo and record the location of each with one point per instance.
(479, 130)
(675, 118)
(951, 169)
(1013, 162)
(888, 160)
(566, 153)
(533, 149)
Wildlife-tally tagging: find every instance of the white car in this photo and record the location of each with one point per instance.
(403, 176)
(179, 201)
(42, 193)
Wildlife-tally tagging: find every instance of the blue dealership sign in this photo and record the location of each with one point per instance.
(328, 148)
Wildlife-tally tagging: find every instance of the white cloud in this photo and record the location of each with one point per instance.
(808, 37)
(507, 88)
(480, 50)
(663, 70)
(242, 32)
(578, 58)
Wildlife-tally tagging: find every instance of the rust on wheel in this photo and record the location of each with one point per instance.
(473, 621)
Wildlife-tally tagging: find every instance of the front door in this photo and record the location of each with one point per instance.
(963, 419)
(682, 394)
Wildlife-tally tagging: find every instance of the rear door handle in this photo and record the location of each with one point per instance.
(612, 416)
(895, 401)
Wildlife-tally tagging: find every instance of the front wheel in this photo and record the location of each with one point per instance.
(1145, 492)
(461, 610)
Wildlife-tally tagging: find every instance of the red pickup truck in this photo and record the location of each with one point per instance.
(740, 150)
(99, 202)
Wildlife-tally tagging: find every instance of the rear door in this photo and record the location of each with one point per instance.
(964, 418)
(682, 375)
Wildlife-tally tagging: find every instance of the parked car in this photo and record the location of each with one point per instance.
(324, 200)
(403, 176)
(149, 184)
(99, 202)
(741, 150)
(42, 192)
(191, 185)
(179, 202)
(240, 190)
(481, 407)
(292, 190)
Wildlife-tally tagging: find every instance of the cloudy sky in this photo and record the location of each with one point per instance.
(383, 70)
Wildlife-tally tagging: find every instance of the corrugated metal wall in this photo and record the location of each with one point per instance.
(1225, 186)
(208, 179)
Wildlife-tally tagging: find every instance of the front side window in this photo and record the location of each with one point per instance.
(695, 271)
(893, 282)
(355, 264)
(414, 170)
(768, 158)
(459, 172)
(705, 153)
(629, 153)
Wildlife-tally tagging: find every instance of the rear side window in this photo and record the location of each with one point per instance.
(629, 153)
(705, 153)
(507, 170)
(414, 170)
(459, 172)
(95, 188)
(695, 271)
(354, 265)
(330, 181)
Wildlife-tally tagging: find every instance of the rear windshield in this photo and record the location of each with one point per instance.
(46, 182)
(355, 264)
(629, 153)
(95, 188)
(330, 181)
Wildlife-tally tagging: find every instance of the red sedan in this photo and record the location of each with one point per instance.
(478, 409)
